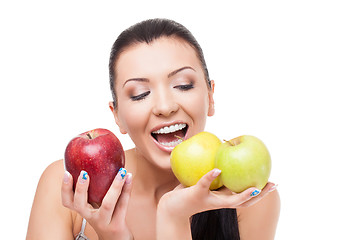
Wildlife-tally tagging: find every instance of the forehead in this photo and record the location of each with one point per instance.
(161, 56)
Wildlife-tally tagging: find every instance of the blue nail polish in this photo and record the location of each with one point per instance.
(122, 172)
(255, 193)
(84, 175)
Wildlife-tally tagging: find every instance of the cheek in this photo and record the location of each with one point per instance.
(197, 107)
(134, 118)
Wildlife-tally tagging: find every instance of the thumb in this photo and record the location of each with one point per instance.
(206, 180)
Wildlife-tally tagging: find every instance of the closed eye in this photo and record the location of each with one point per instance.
(140, 96)
(185, 87)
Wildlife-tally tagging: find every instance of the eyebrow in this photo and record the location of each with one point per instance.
(169, 75)
(179, 70)
(136, 79)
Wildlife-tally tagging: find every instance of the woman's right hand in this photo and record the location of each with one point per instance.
(109, 220)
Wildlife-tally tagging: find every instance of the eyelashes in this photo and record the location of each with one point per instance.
(185, 87)
(140, 96)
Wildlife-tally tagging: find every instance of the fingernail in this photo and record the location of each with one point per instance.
(66, 177)
(255, 193)
(122, 172)
(216, 172)
(84, 176)
(128, 178)
(273, 188)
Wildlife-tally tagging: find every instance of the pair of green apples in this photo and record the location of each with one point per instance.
(244, 161)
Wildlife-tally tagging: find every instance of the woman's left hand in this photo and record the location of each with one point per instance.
(180, 204)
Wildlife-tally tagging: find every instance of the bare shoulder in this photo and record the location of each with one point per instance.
(48, 218)
(259, 221)
(55, 168)
(51, 180)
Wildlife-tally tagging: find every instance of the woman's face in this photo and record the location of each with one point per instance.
(162, 95)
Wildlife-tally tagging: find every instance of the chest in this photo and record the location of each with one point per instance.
(141, 218)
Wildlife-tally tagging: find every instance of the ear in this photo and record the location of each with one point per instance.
(118, 122)
(211, 110)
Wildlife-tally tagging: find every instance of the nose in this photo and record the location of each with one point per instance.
(164, 103)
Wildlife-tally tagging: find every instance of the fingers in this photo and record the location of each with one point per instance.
(123, 202)
(67, 194)
(269, 187)
(250, 196)
(76, 200)
(178, 187)
(112, 196)
(205, 181)
(80, 203)
(229, 199)
(114, 203)
(241, 198)
(224, 198)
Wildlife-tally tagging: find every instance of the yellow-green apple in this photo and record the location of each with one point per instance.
(244, 162)
(99, 153)
(194, 157)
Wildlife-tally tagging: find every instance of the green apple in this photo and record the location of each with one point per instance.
(244, 162)
(194, 157)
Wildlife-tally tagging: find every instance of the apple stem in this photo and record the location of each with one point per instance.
(179, 137)
(229, 142)
(89, 135)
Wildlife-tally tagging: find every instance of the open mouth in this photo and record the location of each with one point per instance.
(170, 136)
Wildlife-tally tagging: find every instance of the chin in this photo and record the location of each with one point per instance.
(154, 158)
(162, 161)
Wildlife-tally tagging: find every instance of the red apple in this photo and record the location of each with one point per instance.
(99, 153)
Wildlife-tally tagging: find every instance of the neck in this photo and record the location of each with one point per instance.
(150, 179)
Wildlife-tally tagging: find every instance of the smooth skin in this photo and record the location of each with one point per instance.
(157, 85)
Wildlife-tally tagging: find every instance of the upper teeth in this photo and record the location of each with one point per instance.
(171, 128)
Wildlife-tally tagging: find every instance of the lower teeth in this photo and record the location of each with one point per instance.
(171, 144)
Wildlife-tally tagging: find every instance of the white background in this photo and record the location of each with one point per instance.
(285, 71)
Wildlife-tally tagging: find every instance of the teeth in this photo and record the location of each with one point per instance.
(170, 129)
(172, 144)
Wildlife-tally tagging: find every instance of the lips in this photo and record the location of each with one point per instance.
(170, 136)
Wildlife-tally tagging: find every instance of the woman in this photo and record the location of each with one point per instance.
(158, 79)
